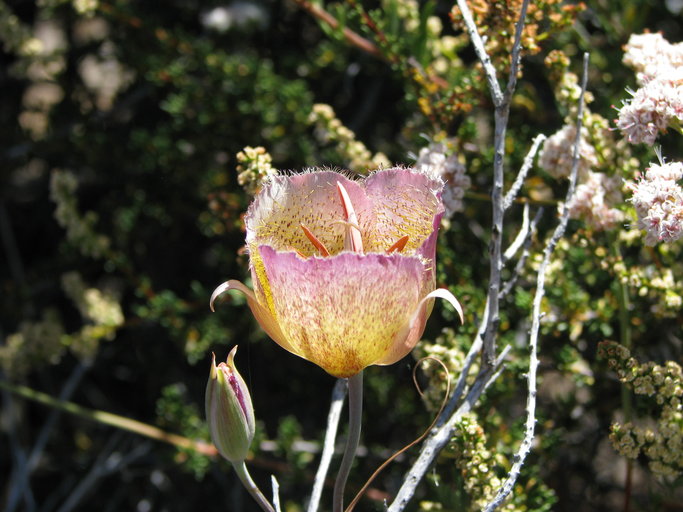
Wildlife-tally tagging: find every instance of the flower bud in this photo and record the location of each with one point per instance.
(229, 411)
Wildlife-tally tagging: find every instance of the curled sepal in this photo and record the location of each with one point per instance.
(440, 293)
(229, 412)
(409, 334)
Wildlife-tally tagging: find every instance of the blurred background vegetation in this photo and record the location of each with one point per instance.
(120, 211)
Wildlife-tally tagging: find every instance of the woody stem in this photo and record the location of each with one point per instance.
(355, 416)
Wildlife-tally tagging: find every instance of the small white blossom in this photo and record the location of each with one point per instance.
(653, 107)
(650, 54)
(436, 161)
(658, 200)
(594, 199)
(557, 154)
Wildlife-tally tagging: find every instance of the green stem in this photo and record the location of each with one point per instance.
(245, 477)
(108, 418)
(625, 338)
(624, 326)
(355, 416)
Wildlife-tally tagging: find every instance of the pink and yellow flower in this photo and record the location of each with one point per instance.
(343, 269)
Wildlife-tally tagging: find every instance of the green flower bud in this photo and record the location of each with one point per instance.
(229, 411)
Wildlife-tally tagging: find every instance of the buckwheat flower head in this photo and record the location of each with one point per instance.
(254, 167)
(653, 107)
(558, 152)
(435, 161)
(658, 200)
(594, 201)
(649, 54)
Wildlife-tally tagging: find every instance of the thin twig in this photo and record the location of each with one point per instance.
(515, 54)
(523, 171)
(530, 424)
(113, 420)
(441, 436)
(454, 400)
(18, 482)
(41, 441)
(521, 237)
(276, 493)
(109, 461)
(480, 50)
(351, 37)
(489, 328)
(65, 394)
(338, 396)
(521, 262)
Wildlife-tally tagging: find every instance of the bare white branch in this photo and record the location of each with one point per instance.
(489, 328)
(530, 424)
(338, 396)
(276, 493)
(523, 171)
(489, 70)
(515, 54)
(518, 242)
(440, 436)
(510, 283)
(461, 383)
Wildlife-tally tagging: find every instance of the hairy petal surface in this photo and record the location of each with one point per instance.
(342, 313)
(404, 203)
(310, 199)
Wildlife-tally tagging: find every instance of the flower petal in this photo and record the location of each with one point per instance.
(352, 236)
(261, 314)
(343, 313)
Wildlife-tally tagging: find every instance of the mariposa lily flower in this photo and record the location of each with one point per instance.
(343, 269)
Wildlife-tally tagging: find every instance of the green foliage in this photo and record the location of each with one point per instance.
(663, 384)
(175, 412)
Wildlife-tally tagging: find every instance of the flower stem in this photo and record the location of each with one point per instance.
(355, 416)
(625, 338)
(245, 477)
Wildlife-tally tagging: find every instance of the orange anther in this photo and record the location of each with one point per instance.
(399, 245)
(316, 243)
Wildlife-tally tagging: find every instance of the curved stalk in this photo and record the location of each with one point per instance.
(355, 416)
(245, 477)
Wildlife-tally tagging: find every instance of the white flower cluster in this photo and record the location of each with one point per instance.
(658, 200)
(101, 311)
(97, 306)
(593, 201)
(34, 345)
(255, 166)
(650, 54)
(436, 160)
(558, 153)
(80, 229)
(659, 101)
